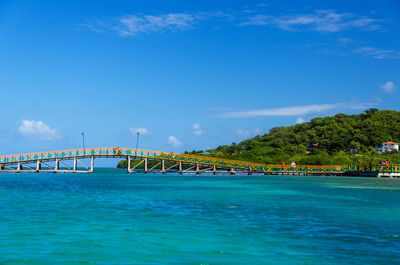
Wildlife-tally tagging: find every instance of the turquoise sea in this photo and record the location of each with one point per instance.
(110, 217)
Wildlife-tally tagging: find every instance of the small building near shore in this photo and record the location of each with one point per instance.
(389, 147)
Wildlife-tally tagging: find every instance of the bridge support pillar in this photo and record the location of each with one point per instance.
(1, 167)
(231, 171)
(214, 170)
(38, 166)
(129, 164)
(92, 164)
(180, 168)
(75, 164)
(57, 166)
(19, 167)
(163, 166)
(249, 173)
(197, 169)
(145, 165)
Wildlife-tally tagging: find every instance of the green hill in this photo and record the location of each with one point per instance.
(332, 138)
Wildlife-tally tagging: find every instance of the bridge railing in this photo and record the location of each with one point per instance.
(200, 159)
(391, 168)
(71, 153)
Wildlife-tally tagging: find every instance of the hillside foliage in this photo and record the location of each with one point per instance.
(332, 136)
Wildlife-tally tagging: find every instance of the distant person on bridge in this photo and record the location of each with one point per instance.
(293, 165)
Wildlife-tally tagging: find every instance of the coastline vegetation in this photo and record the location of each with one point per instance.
(322, 141)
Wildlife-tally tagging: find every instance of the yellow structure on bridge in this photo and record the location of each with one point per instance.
(54, 161)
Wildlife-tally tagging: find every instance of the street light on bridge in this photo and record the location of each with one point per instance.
(83, 140)
(137, 141)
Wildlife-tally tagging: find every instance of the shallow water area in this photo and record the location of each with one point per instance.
(110, 217)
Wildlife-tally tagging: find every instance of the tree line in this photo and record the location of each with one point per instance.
(325, 140)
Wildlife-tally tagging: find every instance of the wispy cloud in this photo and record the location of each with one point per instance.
(345, 41)
(174, 142)
(356, 106)
(388, 87)
(320, 20)
(38, 130)
(134, 24)
(324, 21)
(248, 132)
(288, 111)
(197, 130)
(300, 120)
(141, 131)
(378, 53)
(295, 110)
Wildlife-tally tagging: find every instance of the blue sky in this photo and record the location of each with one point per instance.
(188, 74)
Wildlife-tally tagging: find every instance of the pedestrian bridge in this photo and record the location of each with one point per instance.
(147, 161)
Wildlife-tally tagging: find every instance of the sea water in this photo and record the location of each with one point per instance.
(110, 217)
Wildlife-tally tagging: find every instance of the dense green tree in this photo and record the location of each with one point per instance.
(335, 135)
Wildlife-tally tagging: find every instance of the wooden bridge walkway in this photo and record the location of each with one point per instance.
(164, 162)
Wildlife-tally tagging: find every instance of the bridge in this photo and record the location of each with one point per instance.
(147, 161)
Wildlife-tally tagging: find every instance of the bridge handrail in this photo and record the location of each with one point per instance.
(208, 160)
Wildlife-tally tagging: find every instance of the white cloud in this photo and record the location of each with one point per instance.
(288, 111)
(174, 142)
(388, 87)
(357, 106)
(141, 131)
(258, 20)
(197, 129)
(320, 20)
(378, 53)
(39, 130)
(296, 110)
(345, 40)
(132, 25)
(300, 120)
(248, 132)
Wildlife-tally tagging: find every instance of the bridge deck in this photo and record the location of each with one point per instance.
(199, 164)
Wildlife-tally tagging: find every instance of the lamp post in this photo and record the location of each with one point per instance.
(242, 153)
(377, 150)
(397, 154)
(354, 150)
(137, 141)
(83, 140)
